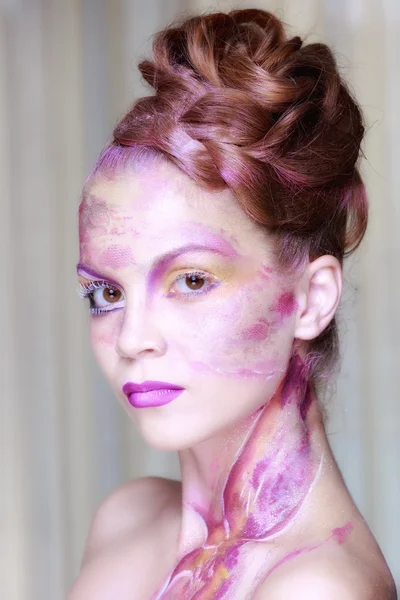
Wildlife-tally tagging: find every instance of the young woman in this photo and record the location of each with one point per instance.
(212, 234)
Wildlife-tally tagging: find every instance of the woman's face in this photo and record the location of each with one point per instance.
(186, 292)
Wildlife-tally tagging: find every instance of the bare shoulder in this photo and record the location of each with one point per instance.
(132, 505)
(327, 576)
(119, 553)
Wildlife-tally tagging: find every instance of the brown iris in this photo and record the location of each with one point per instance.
(111, 295)
(194, 282)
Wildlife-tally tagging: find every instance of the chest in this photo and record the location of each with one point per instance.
(149, 570)
(223, 572)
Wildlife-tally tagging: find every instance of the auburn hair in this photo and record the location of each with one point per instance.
(239, 105)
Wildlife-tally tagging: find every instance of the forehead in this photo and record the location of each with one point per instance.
(161, 199)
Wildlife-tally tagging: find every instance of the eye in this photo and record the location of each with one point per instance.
(192, 283)
(101, 296)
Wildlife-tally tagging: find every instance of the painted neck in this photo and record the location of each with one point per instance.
(250, 484)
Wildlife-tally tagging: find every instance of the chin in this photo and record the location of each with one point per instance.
(170, 437)
(168, 443)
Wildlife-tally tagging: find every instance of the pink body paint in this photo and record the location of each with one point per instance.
(290, 556)
(340, 534)
(265, 273)
(286, 305)
(116, 257)
(97, 218)
(259, 331)
(202, 234)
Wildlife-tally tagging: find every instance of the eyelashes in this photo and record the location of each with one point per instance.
(96, 291)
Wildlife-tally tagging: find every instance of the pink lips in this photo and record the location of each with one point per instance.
(151, 393)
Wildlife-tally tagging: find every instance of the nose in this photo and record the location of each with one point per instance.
(138, 335)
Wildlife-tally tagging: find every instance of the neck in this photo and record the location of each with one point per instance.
(248, 483)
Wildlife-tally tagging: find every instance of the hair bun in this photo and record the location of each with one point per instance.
(236, 103)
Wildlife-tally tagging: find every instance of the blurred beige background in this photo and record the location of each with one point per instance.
(67, 72)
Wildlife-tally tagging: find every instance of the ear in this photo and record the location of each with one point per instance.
(318, 296)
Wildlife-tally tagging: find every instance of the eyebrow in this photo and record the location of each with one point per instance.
(222, 248)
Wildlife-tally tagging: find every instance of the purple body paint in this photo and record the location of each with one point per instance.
(91, 274)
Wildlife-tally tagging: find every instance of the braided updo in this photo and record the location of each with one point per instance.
(237, 104)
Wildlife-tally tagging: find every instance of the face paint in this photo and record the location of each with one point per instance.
(211, 244)
(286, 305)
(259, 331)
(116, 257)
(97, 218)
(265, 273)
(94, 214)
(90, 274)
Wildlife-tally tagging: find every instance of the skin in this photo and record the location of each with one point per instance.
(261, 496)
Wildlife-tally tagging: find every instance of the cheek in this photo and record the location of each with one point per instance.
(243, 329)
(258, 332)
(265, 273)
(285, 306)
(277, 315)
(265, 329)
(103, 337)
(247, 330)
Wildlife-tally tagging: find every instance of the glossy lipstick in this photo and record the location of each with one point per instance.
(151, 393)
